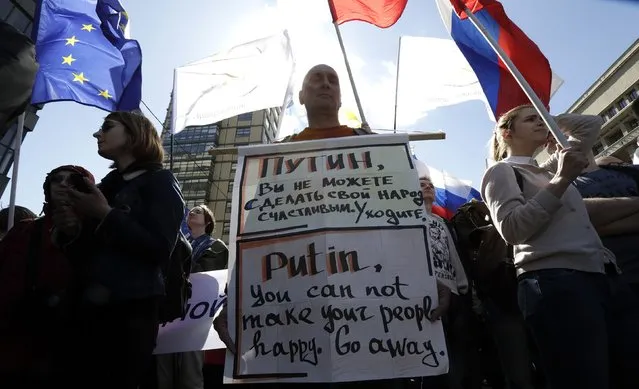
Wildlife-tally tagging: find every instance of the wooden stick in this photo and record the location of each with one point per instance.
(350, 74)
(417, 136)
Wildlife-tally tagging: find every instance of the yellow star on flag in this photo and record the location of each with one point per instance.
(71, 41)
(122, 26)
(68, 60)
(79, 77)
(88, 27)
(105, 94)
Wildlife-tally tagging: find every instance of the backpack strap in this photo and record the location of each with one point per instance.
(520, 182)
(33, 255)
(520, 179)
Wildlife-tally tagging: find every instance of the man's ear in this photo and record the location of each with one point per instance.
(300, 96)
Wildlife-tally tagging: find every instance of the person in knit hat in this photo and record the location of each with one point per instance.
(56, 201)
(35, 286)
(21, 213)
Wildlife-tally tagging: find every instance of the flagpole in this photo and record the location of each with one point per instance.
(399, 50)
(14, 173)
(288, 97)
(280, 119)
(171, 152)
(534, 99)
(350, 76)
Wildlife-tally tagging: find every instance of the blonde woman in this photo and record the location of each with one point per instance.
(566, 280)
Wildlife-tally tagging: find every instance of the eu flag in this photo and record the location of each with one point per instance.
(85, 55)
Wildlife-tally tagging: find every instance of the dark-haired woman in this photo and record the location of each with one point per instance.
(197, 369)
(137, 210)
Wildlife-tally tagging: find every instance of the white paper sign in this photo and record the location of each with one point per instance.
(195, 330)
(331, 277)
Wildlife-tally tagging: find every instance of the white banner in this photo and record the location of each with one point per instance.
(248, 77)
(331, 277)
(195, 330)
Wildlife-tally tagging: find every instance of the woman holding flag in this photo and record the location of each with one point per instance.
(568, 288)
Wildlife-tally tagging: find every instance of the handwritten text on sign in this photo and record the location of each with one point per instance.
(328, 306)
(330, 188)
(330, 270)
(195, 330)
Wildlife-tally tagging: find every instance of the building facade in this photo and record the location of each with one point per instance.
(19, 14)
(208, 179)
(610, 97)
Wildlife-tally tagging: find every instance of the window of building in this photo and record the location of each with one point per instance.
(632, 123)
(622, 103)
(227, 228)
(20, 20)
(615, 136)
(195, 186)
(597, 148)
(243, 132)
(612, 112)
(228, 207)
(245, 117)
(233, 167)
(5, 9)
(634, 94)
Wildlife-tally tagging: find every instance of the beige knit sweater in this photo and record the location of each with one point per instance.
(547, 232)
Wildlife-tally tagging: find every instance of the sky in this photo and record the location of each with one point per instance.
(580, 39)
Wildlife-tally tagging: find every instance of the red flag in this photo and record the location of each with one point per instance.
(473, 6)
(382, 13)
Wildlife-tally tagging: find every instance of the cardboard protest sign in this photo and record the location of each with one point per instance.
(331, 278)
(195, 330)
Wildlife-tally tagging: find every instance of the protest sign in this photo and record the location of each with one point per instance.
(331, 274)
(440, 242)
(195, 330)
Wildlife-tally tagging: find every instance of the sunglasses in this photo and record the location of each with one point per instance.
(107, 126)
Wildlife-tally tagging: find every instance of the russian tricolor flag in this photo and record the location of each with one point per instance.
(450, 192)
(500, 87)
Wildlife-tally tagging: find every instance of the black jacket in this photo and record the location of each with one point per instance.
(215, 257)
(135, 240)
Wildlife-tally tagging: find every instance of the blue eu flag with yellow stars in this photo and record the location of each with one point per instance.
(86, 56)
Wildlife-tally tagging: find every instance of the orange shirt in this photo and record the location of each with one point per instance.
(323, 133)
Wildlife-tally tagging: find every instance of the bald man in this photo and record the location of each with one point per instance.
(321, 95)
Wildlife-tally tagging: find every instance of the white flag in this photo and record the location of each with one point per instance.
(434, 73)
(245, 78)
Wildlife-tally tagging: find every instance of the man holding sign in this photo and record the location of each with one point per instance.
(322, 97)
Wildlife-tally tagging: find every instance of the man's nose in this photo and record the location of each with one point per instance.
(325, 83)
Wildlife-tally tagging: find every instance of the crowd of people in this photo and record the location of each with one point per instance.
(81, 287)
